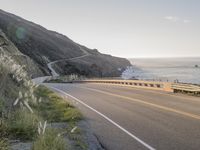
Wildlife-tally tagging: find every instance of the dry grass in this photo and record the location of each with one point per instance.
(50, 141)
(23, 125)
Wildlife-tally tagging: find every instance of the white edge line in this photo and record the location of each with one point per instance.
(108, 119)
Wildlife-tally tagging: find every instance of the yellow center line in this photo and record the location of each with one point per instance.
(180, 98)
(147, 103)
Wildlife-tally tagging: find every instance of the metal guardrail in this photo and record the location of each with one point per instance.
(190, 88)
(155, 85)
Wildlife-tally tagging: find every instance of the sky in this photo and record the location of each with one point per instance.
(125, 28)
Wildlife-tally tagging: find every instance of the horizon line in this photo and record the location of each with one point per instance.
(151, 57)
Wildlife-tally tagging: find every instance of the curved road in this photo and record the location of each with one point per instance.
(54, 73)
(125, 118)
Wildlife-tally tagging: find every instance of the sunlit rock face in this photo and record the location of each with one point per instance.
(44, 46)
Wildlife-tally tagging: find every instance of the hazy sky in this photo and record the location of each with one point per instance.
(126, 28)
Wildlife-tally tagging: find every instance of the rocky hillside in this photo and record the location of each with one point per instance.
(15, 70)
(9, 49)
(44, 46)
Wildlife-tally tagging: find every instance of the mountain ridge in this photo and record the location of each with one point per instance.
(44, 46)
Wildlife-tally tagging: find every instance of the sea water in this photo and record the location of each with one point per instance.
(186, 70)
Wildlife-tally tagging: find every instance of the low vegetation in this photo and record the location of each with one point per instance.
(27, 110)
(4, 145)
(55, 109)
(50, 140)
(23, 125)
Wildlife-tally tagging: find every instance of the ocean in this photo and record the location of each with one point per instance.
(186, 70)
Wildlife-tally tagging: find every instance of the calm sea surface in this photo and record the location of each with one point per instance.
(183, 69)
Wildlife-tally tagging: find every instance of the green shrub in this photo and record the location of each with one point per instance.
(1, 107)
(22, 124)
(3, 128)
(50, 141)
(4, 144)
(53, 108)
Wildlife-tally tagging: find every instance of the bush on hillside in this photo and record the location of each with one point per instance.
(23, 125)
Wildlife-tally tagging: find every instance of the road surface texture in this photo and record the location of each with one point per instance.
(125, 118)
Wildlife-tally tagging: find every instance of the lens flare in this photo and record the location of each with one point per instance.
(21, 33)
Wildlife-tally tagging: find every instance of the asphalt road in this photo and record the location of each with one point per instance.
(125, 118)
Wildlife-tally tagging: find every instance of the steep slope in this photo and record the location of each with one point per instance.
(9, 49)
(45, 46)
(14, 70)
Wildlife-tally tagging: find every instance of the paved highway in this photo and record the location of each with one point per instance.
(125, 118)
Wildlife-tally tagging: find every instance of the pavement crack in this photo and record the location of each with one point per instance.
(102, 146)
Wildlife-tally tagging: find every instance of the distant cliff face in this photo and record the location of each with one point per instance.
(44, 46)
